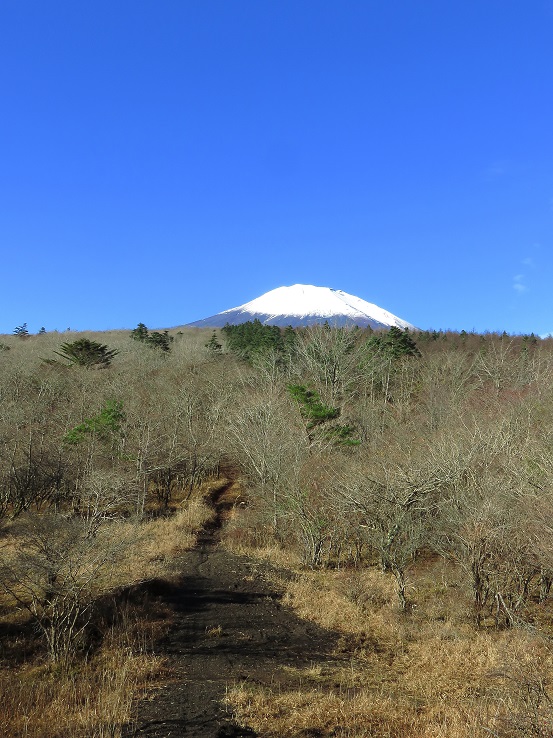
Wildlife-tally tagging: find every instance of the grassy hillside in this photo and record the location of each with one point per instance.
(404, 479)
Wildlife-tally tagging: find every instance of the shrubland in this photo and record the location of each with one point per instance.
(404, 478)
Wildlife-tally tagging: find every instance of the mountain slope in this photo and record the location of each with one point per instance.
(303, 305)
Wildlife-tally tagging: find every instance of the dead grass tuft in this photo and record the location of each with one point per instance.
(325, 597)
(428, 674)
(93, 700)
(313, 712)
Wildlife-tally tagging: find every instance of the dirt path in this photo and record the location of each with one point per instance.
(229, 627)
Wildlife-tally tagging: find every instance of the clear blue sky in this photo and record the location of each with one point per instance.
(164, 160)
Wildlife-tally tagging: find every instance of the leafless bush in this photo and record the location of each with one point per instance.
(53, 570)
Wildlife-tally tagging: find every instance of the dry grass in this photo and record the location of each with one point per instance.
(271, 553)
(94, 697)
(313, 712)
(93, 700)
(157, 542)
(245, 535)
(333, 601)
(347, 702)
(428, 674)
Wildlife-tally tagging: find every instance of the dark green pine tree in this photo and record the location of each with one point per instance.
(249, 339)
(400, 343)
(311, 406)
(159, 340)
(213, 345)
(21, 331)
(396, 343)
(156, 339)
(289, 340)
(140, 333)
(84, 352)
(319, 417)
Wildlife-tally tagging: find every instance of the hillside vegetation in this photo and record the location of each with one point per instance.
(405, 479)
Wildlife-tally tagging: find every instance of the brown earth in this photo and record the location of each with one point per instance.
(228, 627)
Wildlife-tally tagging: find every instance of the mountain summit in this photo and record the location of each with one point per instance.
(303, 305)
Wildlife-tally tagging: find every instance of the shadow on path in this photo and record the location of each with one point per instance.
(229, 627)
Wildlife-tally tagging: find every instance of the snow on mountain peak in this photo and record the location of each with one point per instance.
(307, 301)
(304, 304)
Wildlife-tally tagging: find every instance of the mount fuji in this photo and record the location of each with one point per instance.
(304, 305)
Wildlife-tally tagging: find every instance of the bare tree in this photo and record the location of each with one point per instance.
(398, 500)
(104, 496)
(329, 355)
(268, 440)
(492, 529)
(53, 570)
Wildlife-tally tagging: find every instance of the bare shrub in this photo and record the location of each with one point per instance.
(53, 570)
(329, 357)
(523, 683)
(269, 443)
(92, 700)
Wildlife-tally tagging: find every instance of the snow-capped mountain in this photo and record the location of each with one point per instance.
(303, 305)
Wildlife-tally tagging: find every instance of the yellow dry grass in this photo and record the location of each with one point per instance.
(315, 712)
(269, 552)
(319, 596)
(157, 542)
(94, 698)
(427, 674)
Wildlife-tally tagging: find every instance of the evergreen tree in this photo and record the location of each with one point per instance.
(84, 352)
(105, 425)
(396, 343)
(156, 339)
(290, 340)
(140, 333)
(21, 331)
(317, 415)
(213, 345)
(311, 406)
(160, 341)
(253, 338)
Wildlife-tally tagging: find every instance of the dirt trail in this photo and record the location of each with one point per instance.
(229, 627)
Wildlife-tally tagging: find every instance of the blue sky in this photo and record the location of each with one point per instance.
(163, 161)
